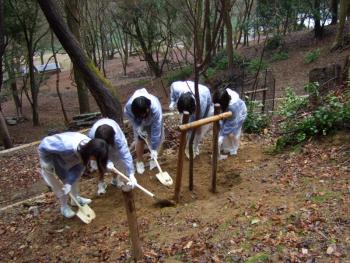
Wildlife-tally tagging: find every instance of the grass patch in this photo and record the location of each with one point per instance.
(258, 258)
(279, 56)
(312, 56)
(319, 199)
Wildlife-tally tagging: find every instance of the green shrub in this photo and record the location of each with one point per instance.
(256, 121)
(255, 64)
(275, 42)
(179, 74)
(331, 114)
(280, 56)
(210, 72)
(312, 56)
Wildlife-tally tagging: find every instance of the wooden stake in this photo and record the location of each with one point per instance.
(133, 226)
(180, 158)
(216, 127)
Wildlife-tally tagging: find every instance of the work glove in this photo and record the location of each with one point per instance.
(131, 184)
(101, 188)
(110, 166)
(154, 154)
(66, 189)
(141, 132)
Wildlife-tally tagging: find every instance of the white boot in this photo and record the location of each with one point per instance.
(152, 164)
(67, 212)
(117, 182)
(101, 188)
(81, 200)
(140, 167)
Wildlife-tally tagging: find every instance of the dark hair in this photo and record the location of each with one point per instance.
(186, 102)
(140, 106)
(97, 148)
(222, 97)
(106, 133)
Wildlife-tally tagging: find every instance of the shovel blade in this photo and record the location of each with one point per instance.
(86, 214)
(164, 178)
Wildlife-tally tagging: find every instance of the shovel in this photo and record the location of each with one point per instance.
(163, 177)
(159, 202)
(85, 213)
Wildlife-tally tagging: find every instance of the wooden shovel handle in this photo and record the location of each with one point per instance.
(137, 185)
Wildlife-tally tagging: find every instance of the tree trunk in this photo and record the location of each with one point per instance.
(154, 66)
(99, 87)
(343, 9)
(228, 25)
(73, 21)
(33, 87)
(4, 134)
(317, 18)
(334, 10)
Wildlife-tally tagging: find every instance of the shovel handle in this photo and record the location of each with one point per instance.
(155, 160)
(74, 200)
(137, 185)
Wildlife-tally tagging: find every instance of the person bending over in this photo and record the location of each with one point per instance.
(230, 129)
(144, 111)
(118, 153)
(67, 155)
(187, 102)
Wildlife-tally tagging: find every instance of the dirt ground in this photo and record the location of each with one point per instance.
(290, 207)
(293, 207)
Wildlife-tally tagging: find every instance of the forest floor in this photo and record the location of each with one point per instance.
(289, 207)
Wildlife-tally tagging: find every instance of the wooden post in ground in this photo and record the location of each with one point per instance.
(180, 158)
(133, 226)
(216, 127)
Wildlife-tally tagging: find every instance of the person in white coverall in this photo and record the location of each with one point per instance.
(230, 129)
(67, 155)
(186, 102)
(118, 153)
(144, 111)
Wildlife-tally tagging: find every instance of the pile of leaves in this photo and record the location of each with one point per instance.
(312, 116)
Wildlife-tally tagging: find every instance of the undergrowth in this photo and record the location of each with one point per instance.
(307, 117)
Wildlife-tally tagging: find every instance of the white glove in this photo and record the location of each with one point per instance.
(101, 188)
(131, 184)
(142, 133)
(154, 154)
(110, 166)
(172, 106)
(66, 189)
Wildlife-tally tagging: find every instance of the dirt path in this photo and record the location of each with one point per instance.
(285, 208)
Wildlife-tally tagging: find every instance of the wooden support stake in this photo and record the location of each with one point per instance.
(133, 226)
(180, 158)
(216, 127)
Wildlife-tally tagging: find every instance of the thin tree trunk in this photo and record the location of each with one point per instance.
(33, 86)
(4, 134)
(343, 9)
(99, 87)
(73, 20)
(317, 18)
(334, 10)
(228, 25)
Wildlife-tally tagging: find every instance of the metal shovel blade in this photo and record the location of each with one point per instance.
(86, 214)
(164, 178)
